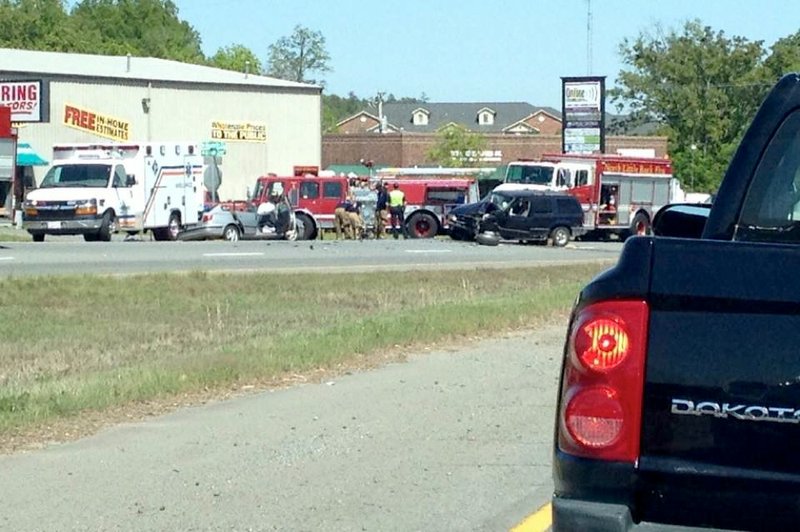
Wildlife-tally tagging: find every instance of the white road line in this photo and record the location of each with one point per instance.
(7, 258)
(233, 254)
(428, 250)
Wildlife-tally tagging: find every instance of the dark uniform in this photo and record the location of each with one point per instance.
(381, 211)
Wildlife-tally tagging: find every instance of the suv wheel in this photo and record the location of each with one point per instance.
(560, 236)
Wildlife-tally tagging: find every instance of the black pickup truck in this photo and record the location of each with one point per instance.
(679, 402)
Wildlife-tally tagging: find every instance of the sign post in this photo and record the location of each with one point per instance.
(583, 110)
(213, 148)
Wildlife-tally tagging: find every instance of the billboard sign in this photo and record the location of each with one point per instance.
(238, 131)
(583, 115)
(99, 124)
(25, 98)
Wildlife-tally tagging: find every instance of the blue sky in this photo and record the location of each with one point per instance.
(473, 50)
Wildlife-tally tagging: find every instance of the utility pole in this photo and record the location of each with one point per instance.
(588, 37)
(380, 112)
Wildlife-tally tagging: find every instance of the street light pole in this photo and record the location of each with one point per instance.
(694, 149)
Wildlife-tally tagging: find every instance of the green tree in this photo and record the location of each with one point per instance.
(457, 147)
(37, 25)
(297, 56)
(150, 28)
(336, 108)
(703, 86)
(785, 57)
(236, 57)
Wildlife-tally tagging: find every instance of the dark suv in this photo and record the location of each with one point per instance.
(520, 215)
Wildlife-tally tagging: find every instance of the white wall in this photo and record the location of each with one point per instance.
(291, 117)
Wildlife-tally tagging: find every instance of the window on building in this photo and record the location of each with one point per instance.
(420, 118)
(486, 118)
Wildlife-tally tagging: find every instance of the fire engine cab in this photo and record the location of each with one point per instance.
(314, 198)
(618, 194)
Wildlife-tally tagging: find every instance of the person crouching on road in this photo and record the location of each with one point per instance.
(341, 220)
(397, 207)
(381, 210)
(354, 216)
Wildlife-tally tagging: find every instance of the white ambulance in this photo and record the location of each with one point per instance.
(96, 189)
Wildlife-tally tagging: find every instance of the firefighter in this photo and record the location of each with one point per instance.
(397, 207)
(354, 218)
(341, 220)
(381, 210)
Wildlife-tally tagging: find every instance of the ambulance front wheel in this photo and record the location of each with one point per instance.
(107, 227)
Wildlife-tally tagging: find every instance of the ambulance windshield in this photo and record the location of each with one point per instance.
(77, 175)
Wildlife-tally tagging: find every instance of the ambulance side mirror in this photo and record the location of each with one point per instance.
(130, 180)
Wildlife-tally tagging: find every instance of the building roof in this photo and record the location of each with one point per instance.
(400, 115)
(37, 63)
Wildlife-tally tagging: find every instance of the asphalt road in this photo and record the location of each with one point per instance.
(69, 255)
(457, 440)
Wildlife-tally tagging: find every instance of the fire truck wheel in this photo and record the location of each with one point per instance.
(309, 230)
(560, 236)
(640, 225)
(231, 233)
(422, 225)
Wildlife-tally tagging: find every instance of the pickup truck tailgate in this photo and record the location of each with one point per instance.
(722, 383)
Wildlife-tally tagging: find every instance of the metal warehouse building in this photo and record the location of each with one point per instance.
(265, 124)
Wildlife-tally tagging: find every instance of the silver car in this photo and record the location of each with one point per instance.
(240, 221)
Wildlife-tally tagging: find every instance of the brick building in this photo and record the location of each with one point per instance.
(512, 131)
(409, 149)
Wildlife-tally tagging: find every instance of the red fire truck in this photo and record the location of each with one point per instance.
(314, 197)
(619, 194)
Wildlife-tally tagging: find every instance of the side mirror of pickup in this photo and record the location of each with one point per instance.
(681, 220)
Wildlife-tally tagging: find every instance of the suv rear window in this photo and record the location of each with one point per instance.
(542, 205)
(568, 206)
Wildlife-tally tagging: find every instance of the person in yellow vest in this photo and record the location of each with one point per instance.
(397, 207)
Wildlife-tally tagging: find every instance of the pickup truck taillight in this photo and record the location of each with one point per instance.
(601, 394)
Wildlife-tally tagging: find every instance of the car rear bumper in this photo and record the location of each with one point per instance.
(574, 514)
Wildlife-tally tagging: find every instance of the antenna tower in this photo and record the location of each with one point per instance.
(589, 37)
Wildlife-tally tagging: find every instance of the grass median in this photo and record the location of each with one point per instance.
(87, 343)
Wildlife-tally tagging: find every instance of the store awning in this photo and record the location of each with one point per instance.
(27, 157)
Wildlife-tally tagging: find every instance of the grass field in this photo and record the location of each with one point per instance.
(12, 234)
(71, 344)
